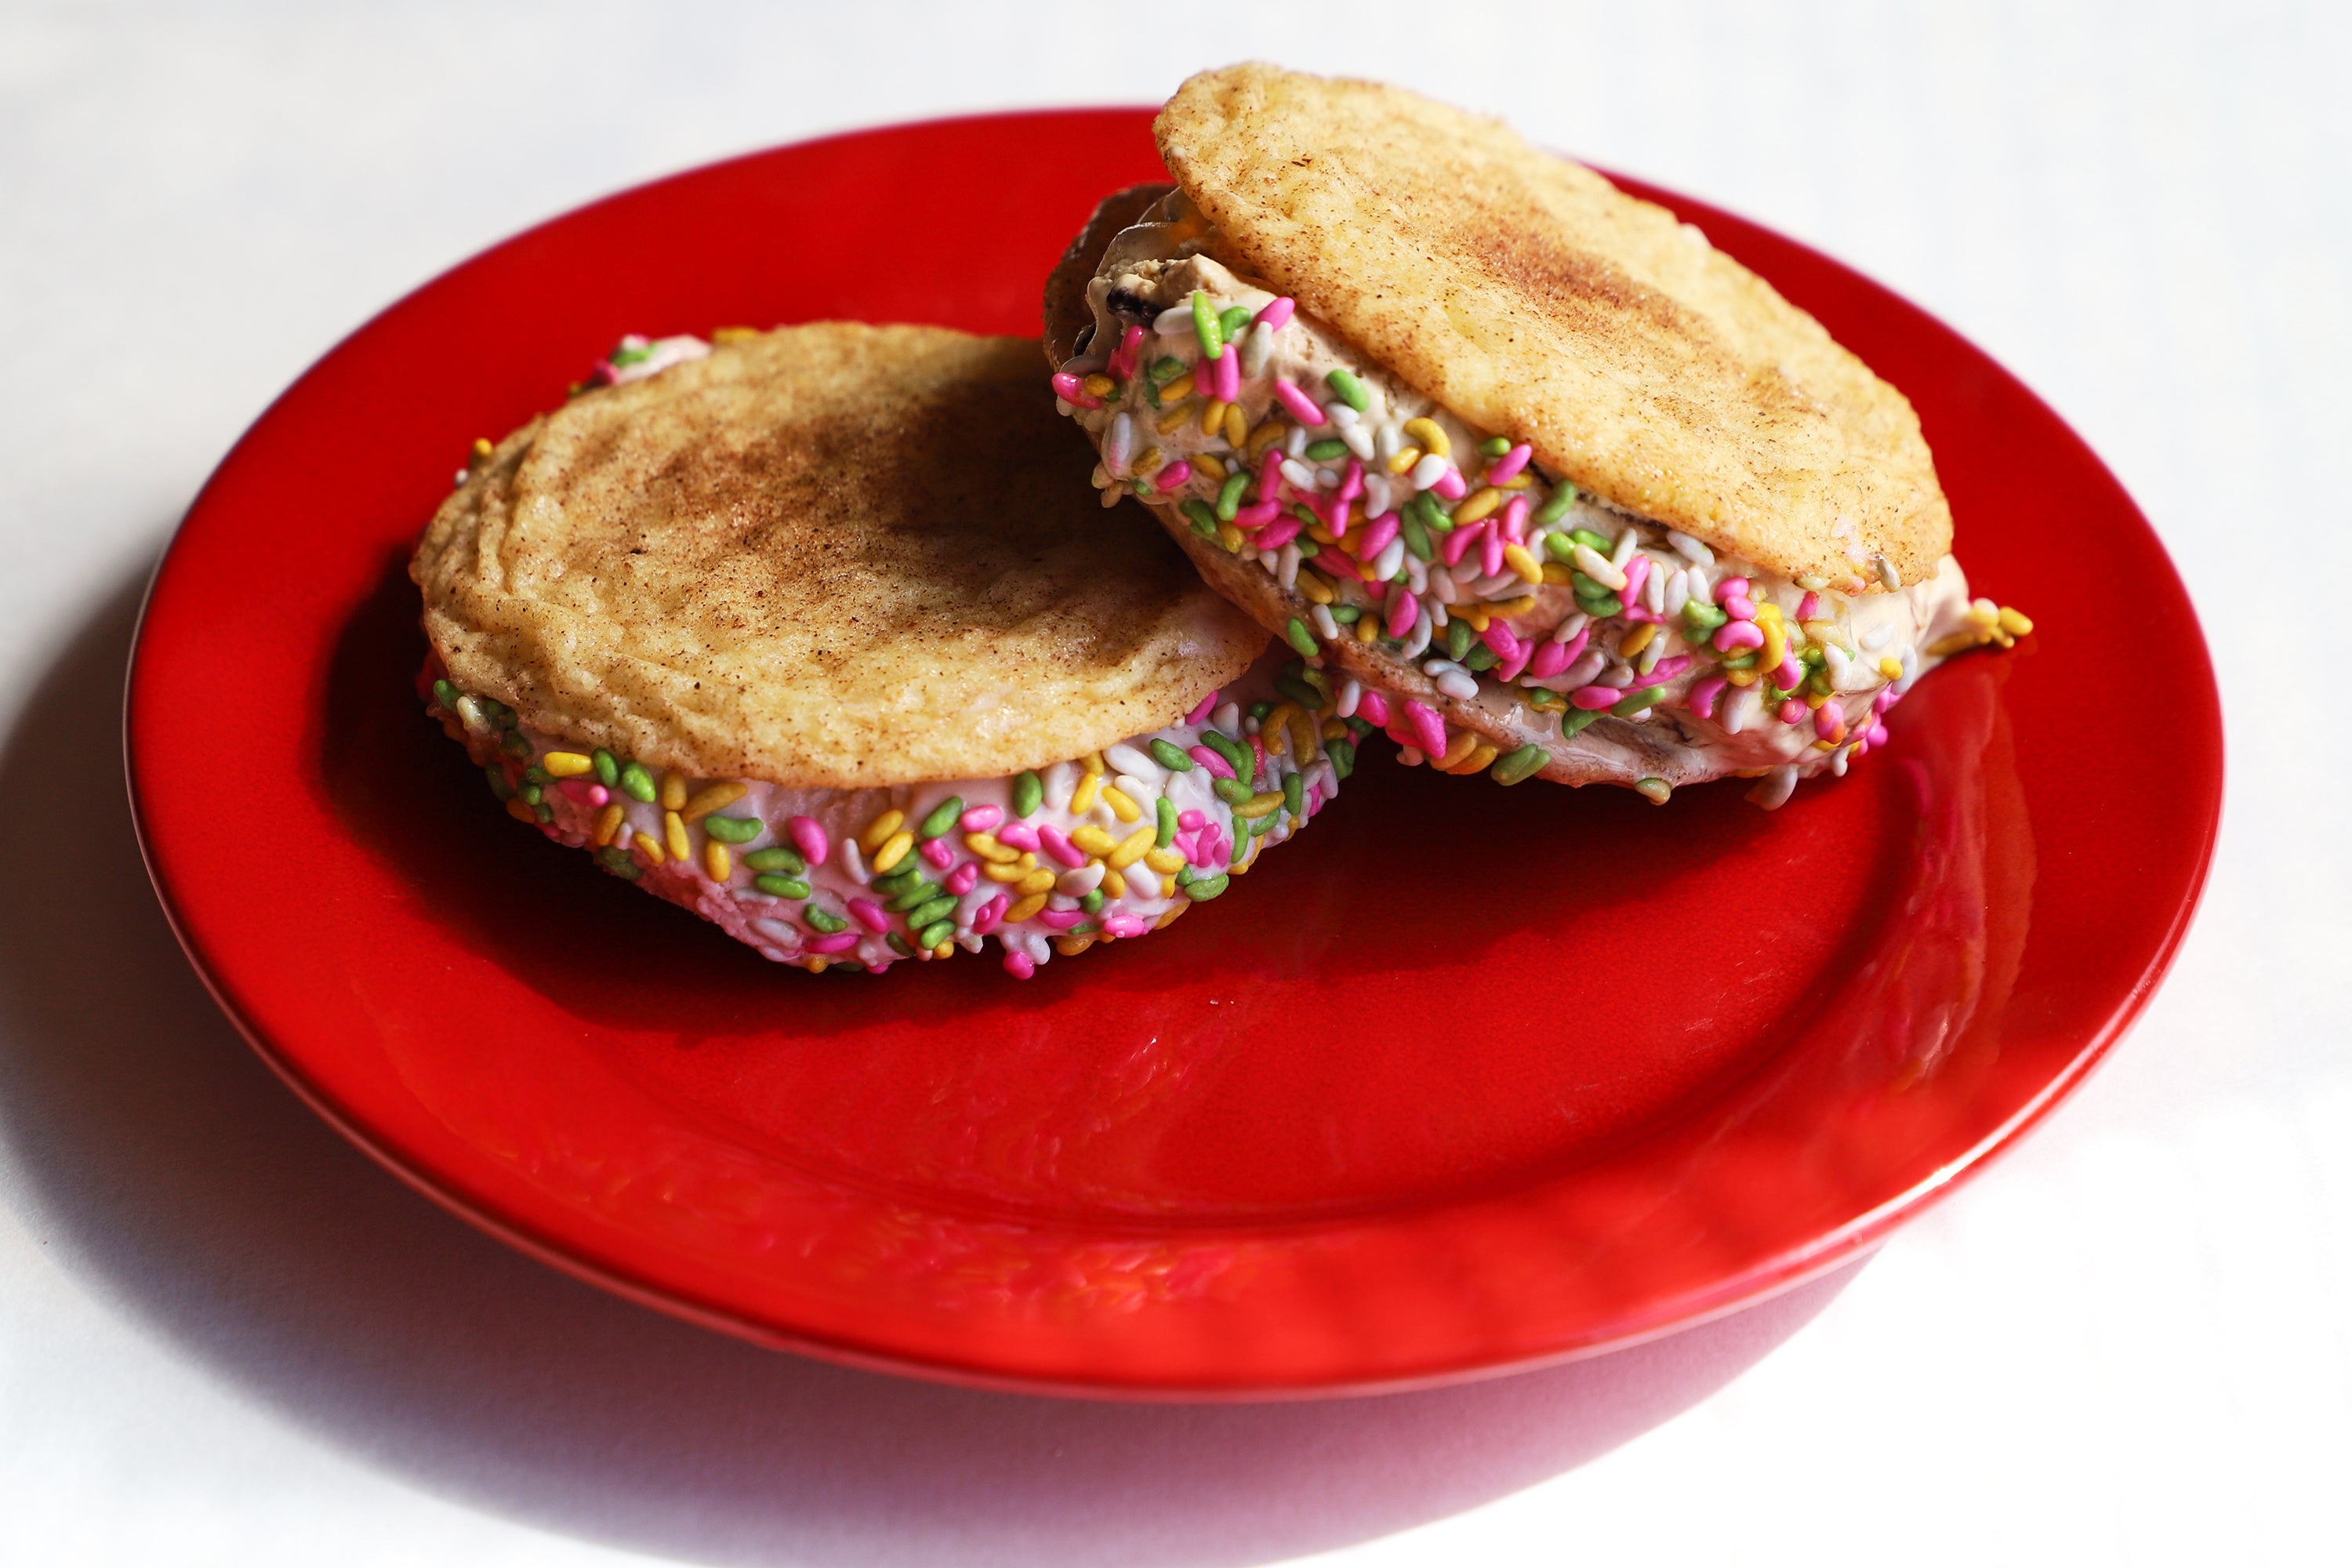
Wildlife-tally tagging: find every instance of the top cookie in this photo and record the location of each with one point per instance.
(1535, 299)
(832, 555)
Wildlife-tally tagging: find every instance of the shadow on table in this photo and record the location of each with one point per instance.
(186, 1183)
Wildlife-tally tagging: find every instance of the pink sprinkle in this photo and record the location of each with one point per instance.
(1374, 708)
(1227, 376)
(1509, 465)
(1449, 484)
(1703, 693)
(1789, 673)
(1738, 634)
(959, 880)
(1302, 408)
(1269, 473)
(1277, 315)
(1490, 548)
(1351, 483)
(1574, 646)
(1730, 585)
(1592, 698)
(1793, 712)
(1192, 821)
(1058, 920)
(1549, 661)
(1019, 965)
(1122, 358)
(1174, 476)
(1378, 533)
(1427, 727)
(985, 918)
(808, 838)
(1059, 845)
(1829, 722)
(1665, 669)
(1739, 606)
(1208, 705)
(1186, 843)
(840, 941)
(937, 852)
(1810, 609)
(1509, 669)
(1458, 542)
(1403, 611)
(1125, 926)
(1256, 515)
(1068, 389)
(1635, 613)
(1637, 572)
(1502, 639)
(1280, 533)
(1018, 835)
(1515, 520)
(1218, 767)
(981, 818)
(1258, 753)
(586, 789)
(1878, 736)
(870, 915)
(1337, 563)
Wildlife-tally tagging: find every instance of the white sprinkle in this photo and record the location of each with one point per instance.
(1359, 439)
(1690, 549)
(462, 476)
(1875, 638)
(775, 931)
(1294, 444)
(1127, 760)
(1142, 791)
(853, 862)
(1112, 496)
(1566, 631)
(1325, 627)
(1838, 758)
(1416, 574)
(1062, 406)
(1589, 562)
(1266, 558)
(1677, 591)
(1700, 588)
(1889, 574)
(1649, 659)
(1501, 586)
(1653, 590)
(1286, 566)
(1619, 676)
(1390, 441)
(1627, 543)
(1351, 693)
(1059, 781)
(1910, 668)
(1300, 476)
(1740, 712)
(1078, 883)
(1176, 321)
(1812, 585)
(1227, 719)
(1257, 345)
(1773, 790)
(1456, 681)
(1410, 757)
(1326, 478)
(1391, 559)
(1418, 643)
(1442, 584)
(1342, 415)
(1588, 664)
(1118, 445)
(1429, 470)
(1377, 498)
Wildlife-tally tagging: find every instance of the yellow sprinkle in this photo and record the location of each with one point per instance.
(1173, 420)
(1212, 416)
(1334, 728)
(894, 849)
(1943, 647)
(1826, 632)
(1814, 699)
(1176, 391)
(1740, 677)
(1273, 730)
(1168, 861)
(1559, 574)
(608, 822)
(1403, 461)
(1320, 535)
(1265, 436)
(1028, 906)
(1767, 612)
(1458, 745)
(1431, 438)
(1209, 467)
(1230, 537)
(519, 809)
(1517, 482)
(652, 847)
(2014, 623)
(1121, 806)
(1036, 883)
(1316, 590)
(996, 873)
(1479, 504)
(1099, 385)
(1981, 613)
(1071, 946)
(711, 798)
(673, 835)
(1152, 460)
(1504, 609)
(1114, 886)
(985, 846)
(1093, 763)
(566, 764)
(673, 791)
(1776, 644)
(1093, 840)
(1027, 862)
(1131, 848)
(733, 334)
(1482, 756)
(1891, 668)
(1516, 557)
(1302, 736)
(818, 964)
(1164, 921)
(715, 860)
(1237, 424)
(945, 950)
(1258, 804)
(482, 447)
(1082, 799)
(878, 832)
(1637, 639)
(1368, 627)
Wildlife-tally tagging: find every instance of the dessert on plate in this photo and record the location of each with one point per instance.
(1546, 484)
(818, 634)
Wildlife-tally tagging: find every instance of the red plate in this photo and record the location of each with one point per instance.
(1469, 1079)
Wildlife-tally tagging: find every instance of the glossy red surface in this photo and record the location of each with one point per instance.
(1466, 1079)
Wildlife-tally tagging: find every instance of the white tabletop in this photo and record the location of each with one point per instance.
(225, 1337)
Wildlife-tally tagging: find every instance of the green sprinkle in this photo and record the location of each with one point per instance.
(935, 934)
(1517, 767)
(1347, 615)
(914, 897)
(1308, 549)
(1185, 876)
(830, 924)
(1299, 691)
(1240, 842)
(1702, 617)
(608, 771)
(1602, 607)
(1165, 369)
(779, 886)
(1555, 509)
(1640, 702)
(1416, 533)
(1495, 446)
(1294, 795)
(1258, 711)
(1231, 319)
(1343, 756)
(1206, 325)
(1230, 493)
(1204, 520)
(1480, 658)
(1299, 638)
(514, 745)
(1092, 903)
(619, 863)
(1351, 391)
(1325, 450)
(732, 829)
(929, 910)
(1207, 888)
(1164, 821)
(1234, 752)
(543, 811)
(530, 794)
(536, 774)
(637, 784)
(1170, 755)
(447, 695)
(897, 944)
(890, 884)
(1559, 546)
(942, 818)
(1744, 659)
(500, 785)
(1361, 727)
(1574, 721)
(501, 715)
(776, 858)
(1457, 639)
(1233, 792)
(1027, 793)
(1592, 541)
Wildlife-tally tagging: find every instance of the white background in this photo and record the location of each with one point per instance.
(225, 1338)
